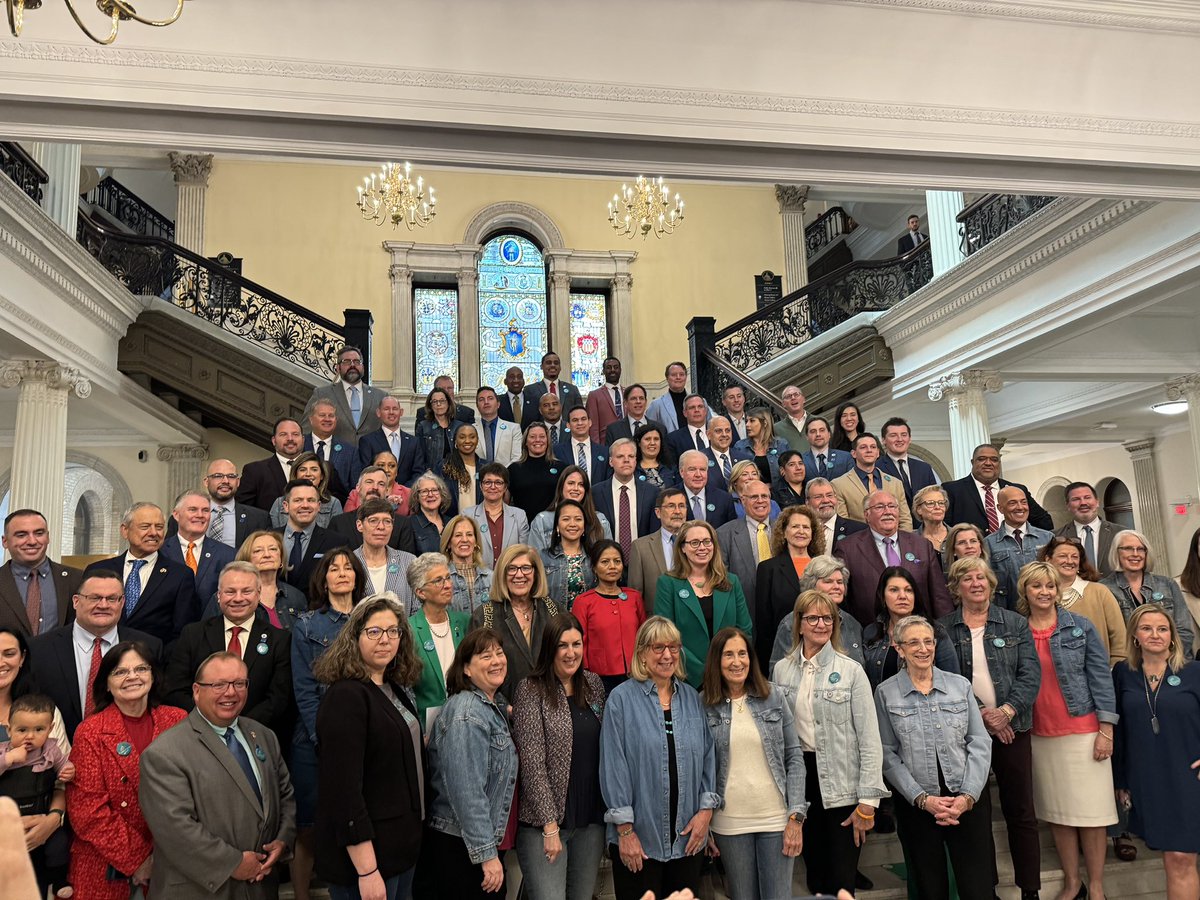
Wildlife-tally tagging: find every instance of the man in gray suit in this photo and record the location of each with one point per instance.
(739, 539)
(652, 555)
(217, 796)
(355, 401)
(1093, 533)
(30, 569)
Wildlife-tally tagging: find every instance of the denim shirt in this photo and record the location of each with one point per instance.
(464, 600)
(1155, 589)
(876, 644)
(634, 765)
(1082, 668)
(474, 764)
(312, 634)
(851, 637)
(1012, 659)
(541, 529)
(849, 753)
(777, 730)
(922, 732)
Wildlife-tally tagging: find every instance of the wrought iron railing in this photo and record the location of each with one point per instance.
(130, 209)
(23, 169)
(827, 228)
(993, 214)
(152, 265)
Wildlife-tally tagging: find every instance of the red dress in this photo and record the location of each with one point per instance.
(609, 629)
(102, 803)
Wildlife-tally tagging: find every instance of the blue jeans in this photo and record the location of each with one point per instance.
(399, 887)
(573, 875)
(755, 867)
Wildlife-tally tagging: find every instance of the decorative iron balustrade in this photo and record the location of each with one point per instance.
(993, 214)
(23, 170)
(827, 228)
(151, 265)
(131, 210)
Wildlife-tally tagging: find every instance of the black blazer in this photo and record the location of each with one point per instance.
(720, 507)
(12, 609)
(269, 697)
(906, 243)
(368, 781)
(262, 484)
(319, 544)
(213, 559)
(167, 604)
(965, 504)
(600, 469)
(52, 664)
(568, 396)
(344, 526)
(506, 410)
(776, 587)
(246, 521)
(683, 439)
(644, 498)
(411, 463)
(620, 429)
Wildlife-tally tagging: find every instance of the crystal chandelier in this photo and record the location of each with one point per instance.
(117, 11)
(391, 195)
(645, 207)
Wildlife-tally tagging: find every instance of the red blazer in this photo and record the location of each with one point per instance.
(102, 803)
(601, 410)
(609, 629)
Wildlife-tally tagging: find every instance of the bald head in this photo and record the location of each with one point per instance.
(1014, 506)
(221, 480)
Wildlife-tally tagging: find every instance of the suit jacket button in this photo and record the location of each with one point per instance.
(123, 804)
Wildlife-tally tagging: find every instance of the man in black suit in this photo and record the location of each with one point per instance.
(912, 239)
(713, 505)
(372, 484)
(265, 650)
(230, 522)
(64, 660)
(822, 499)
(160, 595)
(391, 438)
(27, 542)
(191, 546)
(692, 435)
(340, 456)
(1094, 534)
(512, 401)
(635, 416)
(579, 438)
(263, 480)
(568, 395)
(640, 497)
(721, 453)
(914, 473)
(974, 499)
(304, 541)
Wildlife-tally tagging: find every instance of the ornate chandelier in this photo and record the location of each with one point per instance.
(391, 195)
(117, 11)
(645, 207)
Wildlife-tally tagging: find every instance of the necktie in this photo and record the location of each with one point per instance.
(902, 465)
(296, 556)
(1017, 538)
(697, 509)
(489, 440)
(33, 600)
(235, 642)
(355, 406)
(701, 444)
(726, 469)
(243, 760)
(1089, 544)
(216, 528)
(89, 702)
(636, 425)
(321, 451)
(989, 510)
(133, 586)
(554, 388)
(764, 543)
(617, 402)
(516, 408)
(889, 551)
(553, 434)
(624, 534)
(581, 458)
(190, 557)
(395, 443)
(821, 464)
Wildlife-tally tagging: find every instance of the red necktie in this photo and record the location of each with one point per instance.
(33, 600)
(235, 644)
(989, 510)
(89, 704)
(554, 389)
(624, 533)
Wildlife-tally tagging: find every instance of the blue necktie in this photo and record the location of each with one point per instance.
(133, 587)
(581, 458)
(355, 406)
(243, 760)
(296, 557)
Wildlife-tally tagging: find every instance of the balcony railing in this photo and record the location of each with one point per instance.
(23, 170)
(131, 210)
(993, 214)
(827, 228)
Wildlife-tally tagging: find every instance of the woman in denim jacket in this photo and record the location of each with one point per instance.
(897, 597)
(761, 818)
(839, 735)
(936, 755)
(1073, 722)
(995, 653)
(568, 566)
(831, 577)
(658, 770)
(473, 765)
(1133, 582)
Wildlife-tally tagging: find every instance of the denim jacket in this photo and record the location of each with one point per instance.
(312, 634)
(876, 644)
(922, 732)
(464, 600)
(1012, 660)
(634, 766)
(541, 529)
(1155, 589)
(851, 635)
(777, 731)
(474, 764)
(1082, 668)
(849, 754)
(555, 562)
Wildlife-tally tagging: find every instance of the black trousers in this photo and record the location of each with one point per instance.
(445, 871)
(830, 857)
(970, 845)
(1013, 765)
(661, 877)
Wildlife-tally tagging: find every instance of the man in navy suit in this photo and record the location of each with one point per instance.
(640, 496)
(914, 473)
(192, 547)
(230, 522)
(822, 499)
(713, 505)
(568, 395)
(966, 496)
(263, 480)
(821, 460)
(635, 416)
(692, 435)
(913, 238)
(304, 542)
(721, 455)
(389, 437)
(579, 441)
(341, 456)
(160, 595)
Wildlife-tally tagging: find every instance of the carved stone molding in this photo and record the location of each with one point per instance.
(1186, 387)
(509, 214)
(15, 371)
(622, 281)
(191, 168)
(1132, 16)
(791, 197)
(468, 278)
(182, 452)
(1139, 448)
(968, 381)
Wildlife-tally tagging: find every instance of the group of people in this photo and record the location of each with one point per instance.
(632, 630)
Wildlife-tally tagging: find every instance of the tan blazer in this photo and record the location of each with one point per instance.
(851, 493)
(646, 563)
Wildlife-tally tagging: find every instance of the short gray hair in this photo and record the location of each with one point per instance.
(419, 569)
(190, 492)
(137, 507)
(247, 568)
(621, 442)
(908, 623)
(815, 482)
(822, 567)
(441, 486)
(1114, 558)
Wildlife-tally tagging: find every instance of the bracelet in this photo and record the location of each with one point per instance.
(1008, 711)
(1107, 737)
(919, 803)
(367, 874)
(621, 833)
(547, 834)
(870, 818)
(970, 801)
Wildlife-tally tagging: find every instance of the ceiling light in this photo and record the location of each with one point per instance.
(1170, 407)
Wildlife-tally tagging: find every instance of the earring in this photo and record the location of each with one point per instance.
(1137, 644)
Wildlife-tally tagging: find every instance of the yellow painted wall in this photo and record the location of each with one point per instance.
(297, 228)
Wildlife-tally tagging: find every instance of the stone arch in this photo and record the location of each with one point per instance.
(513, 214)
(1050, 496)
(940, 469)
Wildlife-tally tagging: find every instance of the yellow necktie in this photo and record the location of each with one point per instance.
(764, 545)
(190, 558)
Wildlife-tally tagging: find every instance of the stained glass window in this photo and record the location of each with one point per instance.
(512, 309)
(589, 339)
(435, 320)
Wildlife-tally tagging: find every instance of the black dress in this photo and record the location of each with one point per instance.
(532, 484)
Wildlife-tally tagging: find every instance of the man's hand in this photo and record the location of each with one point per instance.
(274, 850)
(38, 829)
(250, 868)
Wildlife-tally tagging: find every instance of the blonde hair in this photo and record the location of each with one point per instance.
(1175, 657)
(656, 629)
(1029, 572)
(763, 418)
(448, 533)
(808, 601)
(961, 567)
(740, 468)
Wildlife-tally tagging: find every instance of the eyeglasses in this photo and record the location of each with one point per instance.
(429, 492)
(662, 649)
(520, 569)
(221, 476)
(891, 506)
(96, 599)
(220, 687)
(441, 579)
(374, 634)
(937, 503)
(492, 482)
(699, 543)
(919, 644)
(1131, 549)
(817, 620)
(120, 674)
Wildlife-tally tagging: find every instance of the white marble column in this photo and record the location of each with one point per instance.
(942, 207)
(791, 199)
(560, 319)
(185, 467)
(468, 334)
(40, 448)
(60, 198)
(1148, 500)
(1188, 388)
(620, 322)
(403, 334)
(966, 395)
(191, 182)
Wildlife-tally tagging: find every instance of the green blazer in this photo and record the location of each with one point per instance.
(430, 689)
(675, 599)
(796, 441)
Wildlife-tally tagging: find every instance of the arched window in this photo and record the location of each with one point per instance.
(513, 326)
(589, 339)
(83, 528)
(1118, 504)
(435, 321)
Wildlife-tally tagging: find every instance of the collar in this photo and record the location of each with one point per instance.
(821, 658)
(283, 460)
(898, 459)
(1008, 530)
(219, 729)
(150, 560)
(648, 686)
(23, 571)
(907, 687)
(307, 532)
(693, 496)
(799, 423)
(228, 624)
(821, 451)
(229, 504)
(754, 523)
(83, 639)
(1079, 526)
(183, 542)
(618, 483)
(880, 538)
(316, 438)
(980, 486)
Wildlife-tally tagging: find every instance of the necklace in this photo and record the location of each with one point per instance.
(525, 614)
(739, 703)
(442, 634)
(1153, 704)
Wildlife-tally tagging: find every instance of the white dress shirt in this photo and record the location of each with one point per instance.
(243, 635)
(144, 573)
(82, 642)
(286, 465)
(616, 505)
(587, 454)
(995, 486)
(881, 549)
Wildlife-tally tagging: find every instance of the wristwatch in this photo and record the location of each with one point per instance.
(62, 816)
(797, 818)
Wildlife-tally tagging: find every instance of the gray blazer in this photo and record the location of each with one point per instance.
(345, 431)
(203, 814)
(738, 553)
(516, 529)
(395, 578)
(1103, 541)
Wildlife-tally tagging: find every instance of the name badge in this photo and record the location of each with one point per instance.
(1174, 680)
(835, 677)
(999, 642)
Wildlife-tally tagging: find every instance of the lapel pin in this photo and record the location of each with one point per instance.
(1077, 631)
(124, 748)
(162, 571)
(683, 593)
(1156, 597)
(1174, 680)
(428, 645)
(711, 508)
(910, 557)
(623, 596)
(260, 753)
(835, 677)
(999, 642)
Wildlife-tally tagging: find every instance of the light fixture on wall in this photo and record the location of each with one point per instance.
(1170, 407)
(646, 207)
(117, 11)
(391, 195)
